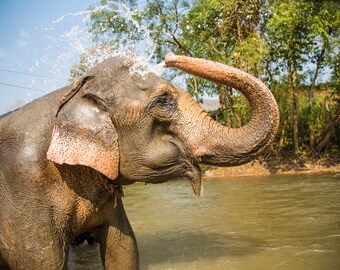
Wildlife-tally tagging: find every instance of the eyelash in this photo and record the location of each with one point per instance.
(163, 106)
(164, 100)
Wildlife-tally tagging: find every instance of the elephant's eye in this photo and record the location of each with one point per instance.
(164, 100)
(163, 105)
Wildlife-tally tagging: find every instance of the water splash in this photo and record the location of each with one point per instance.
(79, 42)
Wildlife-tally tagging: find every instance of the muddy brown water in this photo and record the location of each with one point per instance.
(275, 222)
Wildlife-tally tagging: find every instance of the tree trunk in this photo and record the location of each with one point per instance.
(295, 122)
(327, 134)
(295, 109)
(194, 87)
(223, 99)
(311, 95)
(227, 105)
(197, 97)
(283, 131)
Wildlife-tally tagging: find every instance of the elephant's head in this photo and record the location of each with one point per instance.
(148, 130)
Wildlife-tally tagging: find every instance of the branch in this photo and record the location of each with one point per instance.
(176, 18)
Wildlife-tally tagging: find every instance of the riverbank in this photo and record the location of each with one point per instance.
(287, 164)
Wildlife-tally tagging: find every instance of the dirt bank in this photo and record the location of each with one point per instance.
(278, 165)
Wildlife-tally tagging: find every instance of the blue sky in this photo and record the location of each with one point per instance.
(37, 47)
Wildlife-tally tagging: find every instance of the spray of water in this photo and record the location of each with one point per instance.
(79, 41)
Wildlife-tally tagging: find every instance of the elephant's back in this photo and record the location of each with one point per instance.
(29, 128)
(6, 114)
(37, 113)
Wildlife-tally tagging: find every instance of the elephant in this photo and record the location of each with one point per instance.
(65, 157)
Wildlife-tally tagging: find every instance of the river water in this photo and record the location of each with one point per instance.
(275, 222)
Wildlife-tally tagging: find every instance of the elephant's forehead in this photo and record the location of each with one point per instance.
(129, 85)
(113, 64)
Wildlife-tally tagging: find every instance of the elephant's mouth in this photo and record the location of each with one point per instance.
(193, 174)
(189, 170)
(195, 177)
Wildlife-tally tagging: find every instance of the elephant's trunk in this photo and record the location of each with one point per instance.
(216, 144)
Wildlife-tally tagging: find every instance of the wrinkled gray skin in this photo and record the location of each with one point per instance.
(64, 157)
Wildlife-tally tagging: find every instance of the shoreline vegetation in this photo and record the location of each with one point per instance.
(283, 164)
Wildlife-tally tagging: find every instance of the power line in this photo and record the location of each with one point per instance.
(25, 73)
(23, 87)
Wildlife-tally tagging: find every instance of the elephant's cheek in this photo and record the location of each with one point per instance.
(162, 155)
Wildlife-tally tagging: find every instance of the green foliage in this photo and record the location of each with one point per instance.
(213, 29)
(159, 17)
(297, 30)
(324, 108)
(243, 108)
(164, 19)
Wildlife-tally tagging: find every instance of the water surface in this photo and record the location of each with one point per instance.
(276, 222)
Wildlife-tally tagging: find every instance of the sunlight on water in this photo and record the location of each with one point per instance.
(281, 222)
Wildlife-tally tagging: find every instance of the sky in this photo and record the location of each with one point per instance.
(39, 41)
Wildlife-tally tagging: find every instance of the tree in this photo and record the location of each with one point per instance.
(158, 20)
(324, 25)
(289, 42)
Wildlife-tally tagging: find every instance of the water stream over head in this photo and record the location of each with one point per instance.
(94, 50)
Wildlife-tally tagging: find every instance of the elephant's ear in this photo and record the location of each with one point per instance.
(83, 134)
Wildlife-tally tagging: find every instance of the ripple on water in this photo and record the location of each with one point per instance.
(268, 223)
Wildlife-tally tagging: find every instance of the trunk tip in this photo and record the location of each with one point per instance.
(170, 57)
